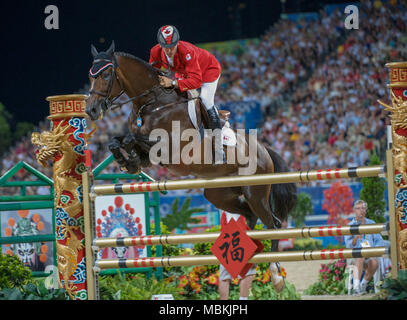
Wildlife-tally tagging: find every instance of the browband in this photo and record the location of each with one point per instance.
(94, 74)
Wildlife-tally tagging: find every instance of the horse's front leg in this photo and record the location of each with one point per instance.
(129, 165)
(114, 148)
(141, 145)
(129, 144)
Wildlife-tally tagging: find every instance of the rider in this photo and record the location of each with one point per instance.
(194, 68)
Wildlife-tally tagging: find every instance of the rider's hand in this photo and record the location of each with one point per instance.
(165, 81)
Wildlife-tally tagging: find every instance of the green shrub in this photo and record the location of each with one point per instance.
(35, 290)
(265, 291)
(334, 246)
(331, 280)
(181, 217)
(303, 208)
(168, 250)
(395, 289)
(13, 273)
(205, 249)
(306, 244)
(135, 287)
(373, 192)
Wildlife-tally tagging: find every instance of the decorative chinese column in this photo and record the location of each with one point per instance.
(65, 145)
(398, 109)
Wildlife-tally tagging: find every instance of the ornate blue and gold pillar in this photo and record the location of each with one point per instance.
(65, 145)
(398, 110)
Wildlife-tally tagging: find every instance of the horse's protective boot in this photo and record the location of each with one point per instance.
(114, 147)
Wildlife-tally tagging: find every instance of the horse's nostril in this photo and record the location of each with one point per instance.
(92, 111)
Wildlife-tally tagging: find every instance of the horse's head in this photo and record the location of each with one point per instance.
(105, 84)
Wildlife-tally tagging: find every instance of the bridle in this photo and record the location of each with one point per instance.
(109, 102)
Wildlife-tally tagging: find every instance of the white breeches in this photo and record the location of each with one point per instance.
(208, 91)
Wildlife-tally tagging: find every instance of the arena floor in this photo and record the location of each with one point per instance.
(302, 274)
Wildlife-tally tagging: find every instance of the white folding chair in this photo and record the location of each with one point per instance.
(377, 277)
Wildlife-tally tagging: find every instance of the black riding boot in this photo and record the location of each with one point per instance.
(214, 120)
(214, 123)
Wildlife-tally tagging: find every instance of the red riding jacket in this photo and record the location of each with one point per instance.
(192, 65)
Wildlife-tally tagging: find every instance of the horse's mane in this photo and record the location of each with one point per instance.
(130, 56)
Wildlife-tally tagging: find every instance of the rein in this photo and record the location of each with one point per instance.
(139, 119)
(109, 103)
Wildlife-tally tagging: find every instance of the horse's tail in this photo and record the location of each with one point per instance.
(283, 196)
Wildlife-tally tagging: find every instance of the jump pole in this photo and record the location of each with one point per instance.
(237, 181)
(306, 232)
(257, 258)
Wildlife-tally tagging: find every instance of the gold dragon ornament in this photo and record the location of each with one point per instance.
(51, 146)
(67, 256)
(54, 145)
(403, 248)
(399, 120)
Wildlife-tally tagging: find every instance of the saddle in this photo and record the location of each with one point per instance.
(196, 110)
(224, 115)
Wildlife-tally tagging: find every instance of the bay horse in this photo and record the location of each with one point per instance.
(114, 73)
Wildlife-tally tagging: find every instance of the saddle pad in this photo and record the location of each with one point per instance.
(228, 135)
(192, 112)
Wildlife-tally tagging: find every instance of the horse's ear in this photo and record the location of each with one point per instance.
(110, 51)
(93, 50)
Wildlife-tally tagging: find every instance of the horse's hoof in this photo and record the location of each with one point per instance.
(133, 169)
(278, 284)
(276, 278)
(133, 165)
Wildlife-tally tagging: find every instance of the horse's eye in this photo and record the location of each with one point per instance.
(105, 75)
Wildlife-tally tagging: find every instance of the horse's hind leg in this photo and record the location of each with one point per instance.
(229, 199)
(258, 199)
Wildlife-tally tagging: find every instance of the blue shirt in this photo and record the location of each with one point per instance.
(375, 240)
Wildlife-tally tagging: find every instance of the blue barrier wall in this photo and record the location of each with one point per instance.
(250, 113)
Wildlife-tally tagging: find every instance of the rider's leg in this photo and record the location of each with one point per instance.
(208, 91)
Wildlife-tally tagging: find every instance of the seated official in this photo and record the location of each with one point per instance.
(363, 241)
